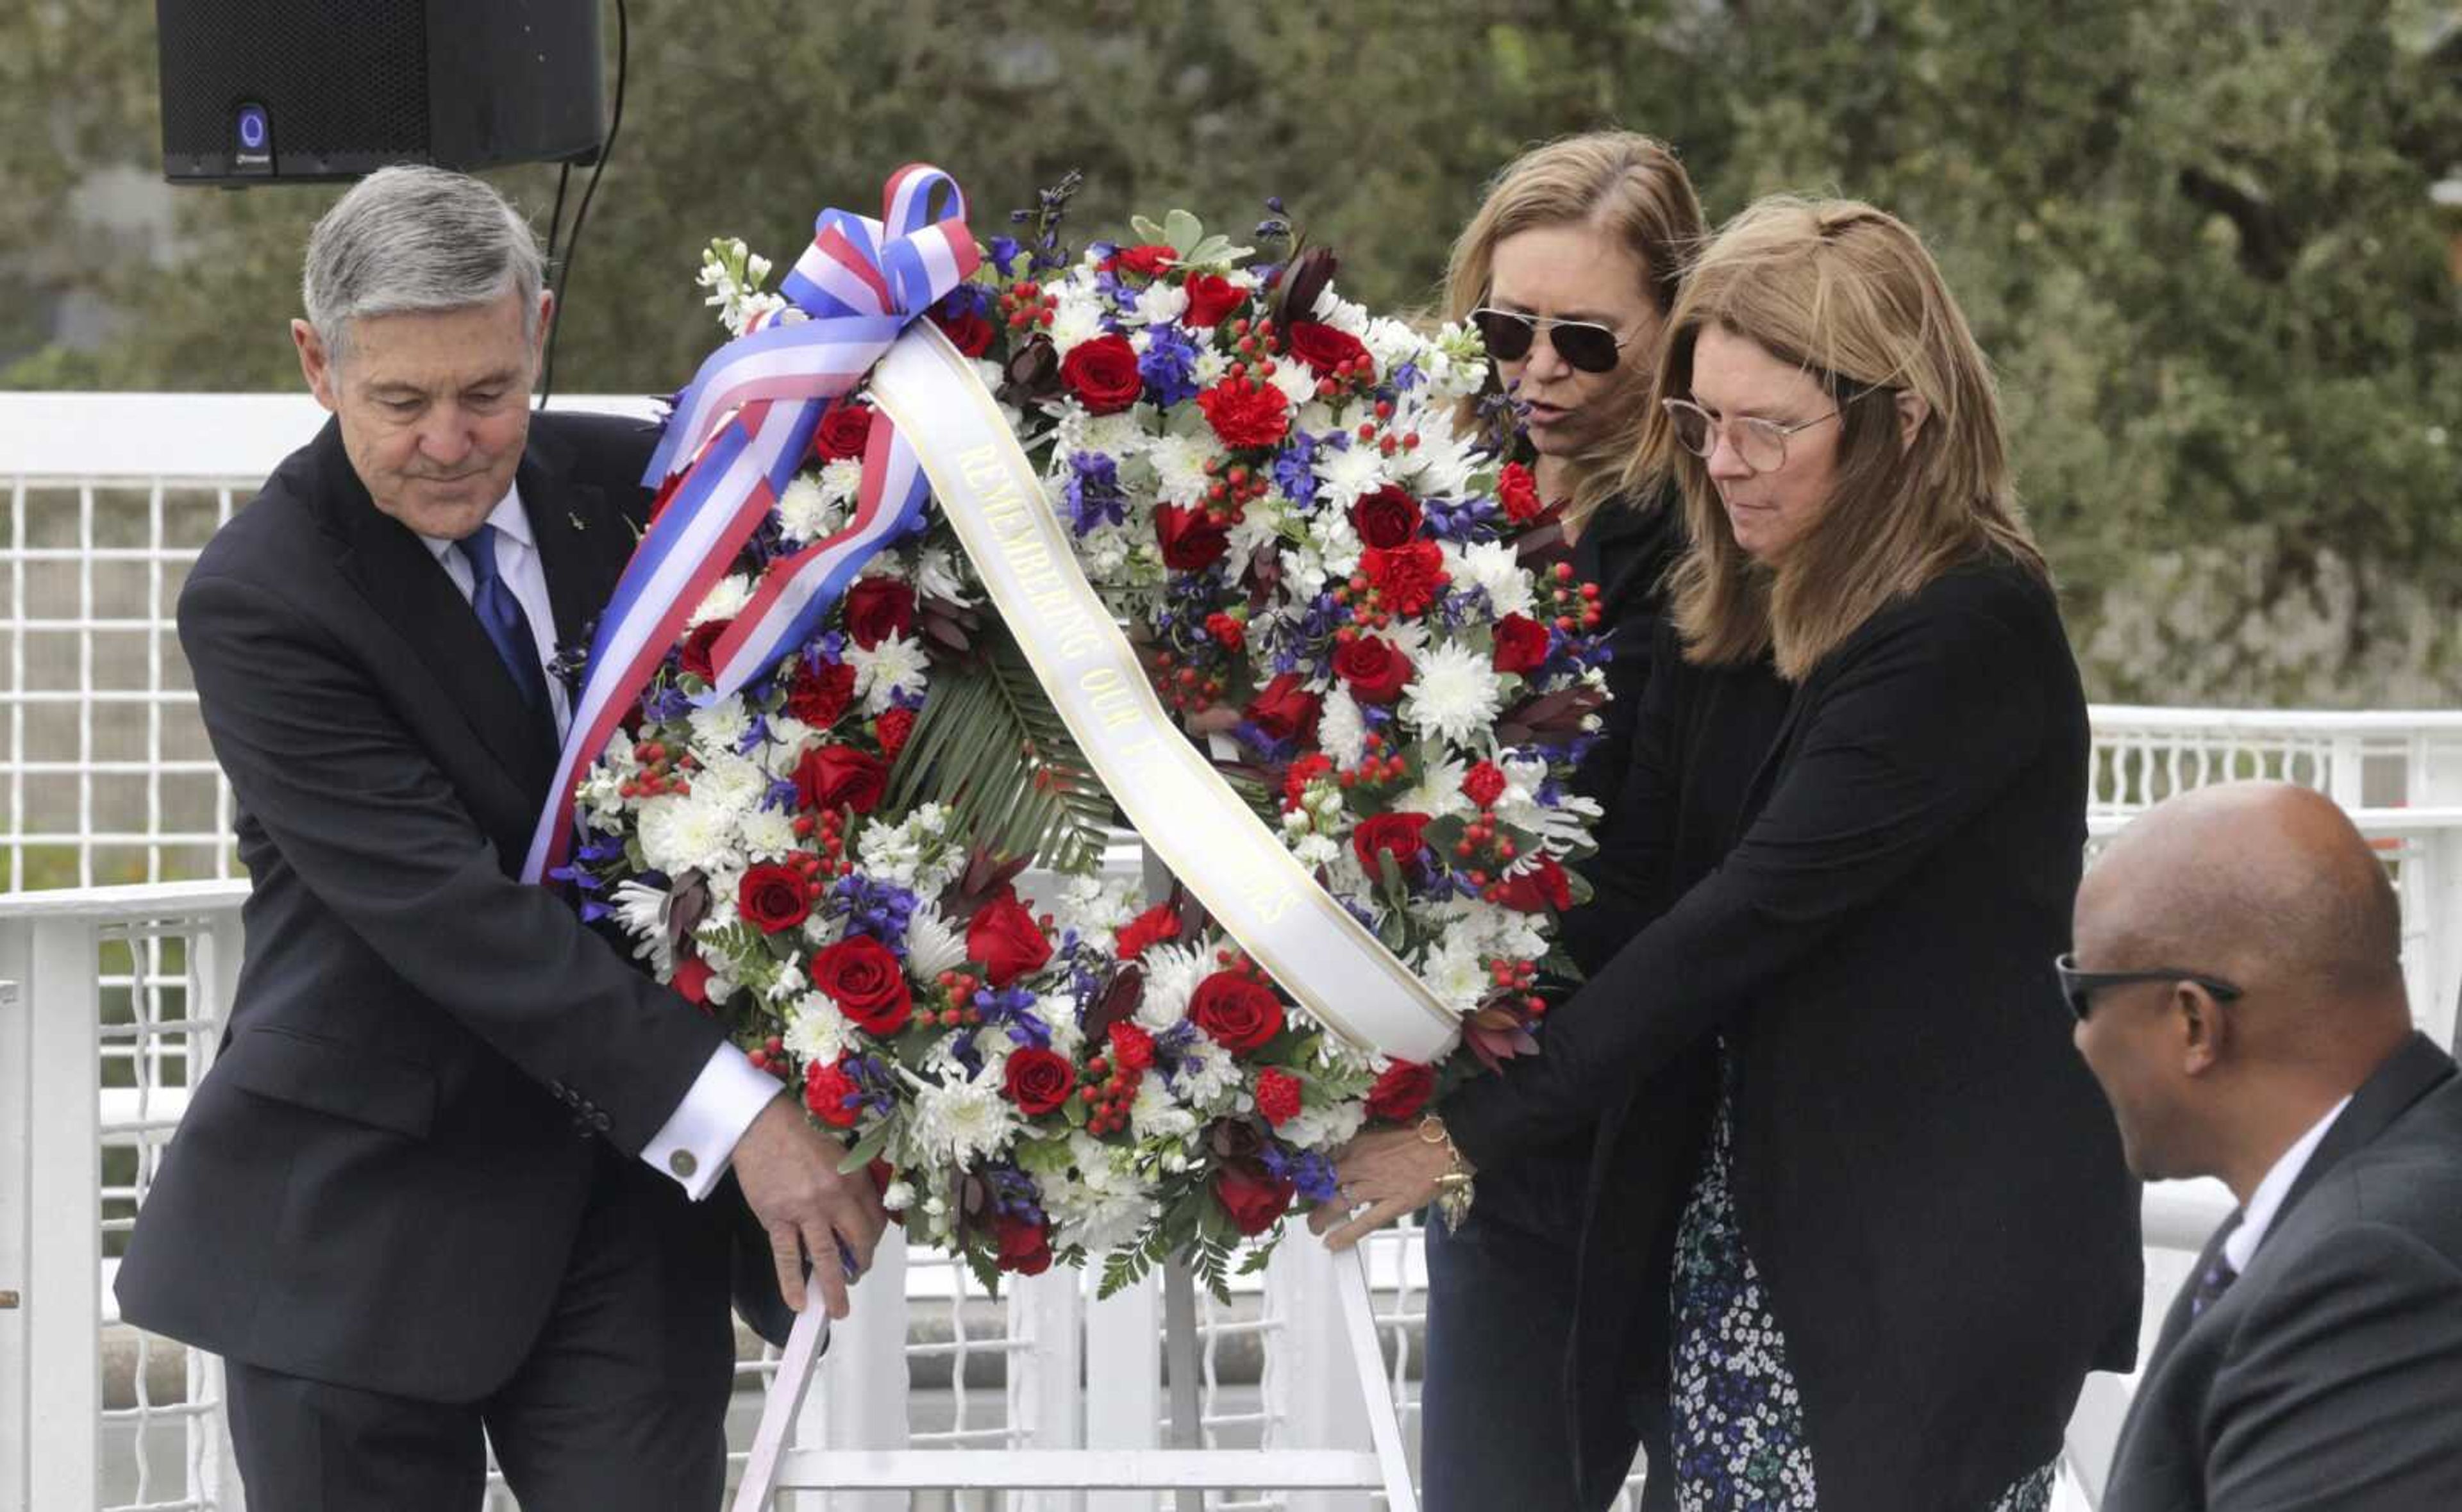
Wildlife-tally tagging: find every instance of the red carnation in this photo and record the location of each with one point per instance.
(1402, 835)
(1103, 374)
(1236, 1010)
(1004, 935)
(1536, 889)
(844, 432)
(1039, 1080)
(1252, 1197)
(1297, 776)
(1322, 348)
(1521, 645)
(1151, 927)
(879, 607)
(698, 642)
(1284, 710)
(866, 982)
(1278, 1097)
(1132, 1046)
(819, 696)
(1388, 517)
(1025, 1245)
(1517, 491)
(892, 730)
(1401, 1091)
(1191, 539)
(1149, 260)
(968, 332)
(773, 897)
(840, 777)
(1483, 783)
(1211, 297)
(831, 1094)
(1246, 414)
(1407, 576)
(1374, 669)
(1229, 630)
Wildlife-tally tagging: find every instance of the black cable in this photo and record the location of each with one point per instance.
(556, 217)
(581, 213)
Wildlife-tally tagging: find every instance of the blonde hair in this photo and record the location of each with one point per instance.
(1848, 293)
(1622, 181)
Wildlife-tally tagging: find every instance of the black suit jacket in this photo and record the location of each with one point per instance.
(2330, 1374)
(379, 1182)
(1860, 883)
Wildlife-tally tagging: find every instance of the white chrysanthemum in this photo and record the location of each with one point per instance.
(1212, 364)
(1453, 694)
(725, 600)
(1180, 467)
(1562, 828)
(896, 665)
(913, 853)
(788, 982)
(1437, 793)
(940, 575)
(1261, 524)
(686, 833)
(1207, 1079)
(932, 945)
(1495, 569)
(642, 910)
(1297, 381)
(1096, 906)
(738, 783)
(1058, 1013)
(1349, 473)
(1453, 971)
(717, 725)
(1077, 320)
(1325, 1128)
(1304, 572)
(1332, 309)
(964, 1122)
(769, 835)
(805, 512)
(1393, 343)
(1156, 1114)
(1161, 304)
(1340, 731)
(1102, 1203)
(1440, 465)
(1336, 541)
(784, 750)
(817, 1031)
(1172, 975)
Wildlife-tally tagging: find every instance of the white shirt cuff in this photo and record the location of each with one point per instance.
(698, 1138)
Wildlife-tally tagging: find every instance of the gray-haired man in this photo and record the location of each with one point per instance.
(448, 1174)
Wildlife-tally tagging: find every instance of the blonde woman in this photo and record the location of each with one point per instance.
(1569, 271)
(1905, 1232)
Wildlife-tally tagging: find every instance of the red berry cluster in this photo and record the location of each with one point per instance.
(1480, 842)
(1109, 1088)
(1576, 606)
(664, 772)
(1376, 767)
(829, 825)
(958, 989)
(771, 1055)
(1023, 304)
(1518, 976)
(1235, 485)
(1187, 689)
(1379, 432)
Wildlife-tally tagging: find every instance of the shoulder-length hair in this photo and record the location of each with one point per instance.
(1627, 184)
(1848, 293)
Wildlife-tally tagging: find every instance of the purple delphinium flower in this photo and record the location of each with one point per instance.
(1169, 366)
(1003, 252)
(1307, 1170)
(1464, 521)
(876, 908)
(1093, 492)
(1012, 1009)
(1294, 468)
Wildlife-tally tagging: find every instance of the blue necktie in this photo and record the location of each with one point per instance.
(500, 615)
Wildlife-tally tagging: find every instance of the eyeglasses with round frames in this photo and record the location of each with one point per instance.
(1586, 345)
(1761, 443)
(2079, 987)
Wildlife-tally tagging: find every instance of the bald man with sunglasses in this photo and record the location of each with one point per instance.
(2239, 993)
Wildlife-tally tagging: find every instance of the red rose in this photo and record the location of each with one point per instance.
(1151, 927)
(1517, 491)
(1521, 645)
(1388, 517)
(1150, 260)
(1235, 1011)
(1483, 783)
(1407, 576)
(1252, 1197)
(698, 642)
(1246, 414)
(1025, 1245)
(827, 1093)
(1401, 1091)
(1284, 710)
(969, 332)
(892, 730)
(691, 979)
(1103, 374)
(1278, 1097)
(1191, 541)
(820, 696)
(840, 777)
(1374, 669)
(1003, 936)
(1322, 347)
(866, 982)
(774, 898)
(1402, 834)
(1536, 889)
(844, 432)
(1211, 297)
(879, 607)
(1039, 1080)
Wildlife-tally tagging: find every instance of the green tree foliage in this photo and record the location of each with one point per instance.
(2196, 236)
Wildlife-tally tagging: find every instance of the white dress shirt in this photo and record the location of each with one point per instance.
(2240, 1247)
(698, 1138)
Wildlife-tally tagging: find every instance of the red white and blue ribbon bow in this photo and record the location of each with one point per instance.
(737, 437)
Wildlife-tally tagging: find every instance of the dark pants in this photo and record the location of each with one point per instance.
(620, 1406)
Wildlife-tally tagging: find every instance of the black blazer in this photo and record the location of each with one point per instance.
(379, 1182)
(2330, 1374)
(1860, 883)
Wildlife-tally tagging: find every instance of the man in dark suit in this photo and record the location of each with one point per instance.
(2238, 994)
(446, 1174)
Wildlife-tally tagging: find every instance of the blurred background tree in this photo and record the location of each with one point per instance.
(2212, 245)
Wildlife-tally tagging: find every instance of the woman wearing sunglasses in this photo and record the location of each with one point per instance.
(1904, 1231)
(1568, 271)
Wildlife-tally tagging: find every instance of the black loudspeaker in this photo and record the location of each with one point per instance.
(269, 89)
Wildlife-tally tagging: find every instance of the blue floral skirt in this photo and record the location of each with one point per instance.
(1739, 1437)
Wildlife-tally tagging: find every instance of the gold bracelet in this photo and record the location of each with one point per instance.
(1454, 1188)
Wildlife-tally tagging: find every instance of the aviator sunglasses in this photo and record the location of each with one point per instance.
(1586, 345)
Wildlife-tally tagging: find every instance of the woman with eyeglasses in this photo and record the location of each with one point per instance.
(1568, 271)
(1902, 1232)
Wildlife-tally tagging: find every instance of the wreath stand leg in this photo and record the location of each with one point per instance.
(1186, 1468)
